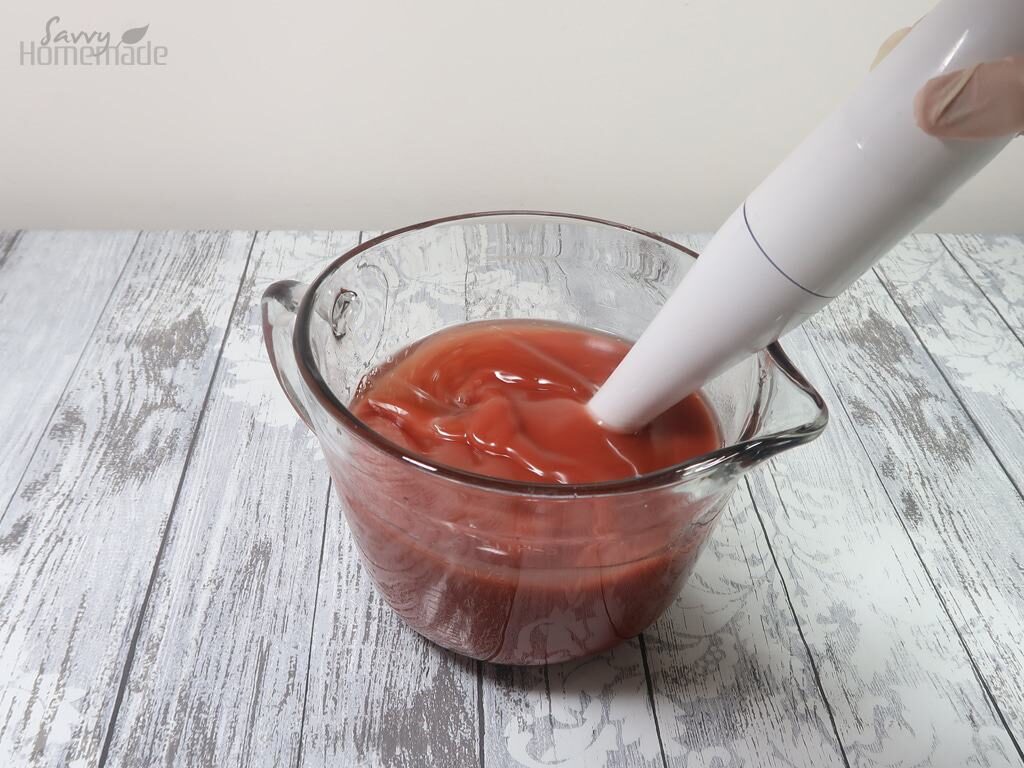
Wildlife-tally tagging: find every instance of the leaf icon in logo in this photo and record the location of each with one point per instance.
(132, 36)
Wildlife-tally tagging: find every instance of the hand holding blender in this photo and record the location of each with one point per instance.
(938, 108)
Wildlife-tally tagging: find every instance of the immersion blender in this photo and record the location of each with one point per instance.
(858, 184)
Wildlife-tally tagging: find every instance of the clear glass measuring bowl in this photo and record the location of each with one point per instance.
(499, 570)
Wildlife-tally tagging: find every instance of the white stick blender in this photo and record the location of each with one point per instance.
(861, 181)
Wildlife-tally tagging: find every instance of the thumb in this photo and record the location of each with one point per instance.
(982, 102)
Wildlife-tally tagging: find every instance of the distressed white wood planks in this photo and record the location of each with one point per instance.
(961, 510)
(901, 481)
(219, 672)
(968, 339)
(901, 687)
(53, 287)
(378, 693)
(957, 477)
(590, 712)
(83, 532)
(996, 265)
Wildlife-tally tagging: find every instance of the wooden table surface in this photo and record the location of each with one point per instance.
(178, 586)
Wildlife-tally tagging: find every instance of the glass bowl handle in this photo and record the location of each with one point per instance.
(278, 307)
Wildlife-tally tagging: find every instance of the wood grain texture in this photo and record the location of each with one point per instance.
(902, 689)
(82, 534)
(590, 712)
(940, 463)
(968, 338)
(996, 265)
(379, 695)
(949, 491)
(53, 287)
(8, 238)
(219, 672)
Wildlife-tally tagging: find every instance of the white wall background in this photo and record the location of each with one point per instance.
(373, 113)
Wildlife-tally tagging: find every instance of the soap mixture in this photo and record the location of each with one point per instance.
(507, 399)
(519, 577)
